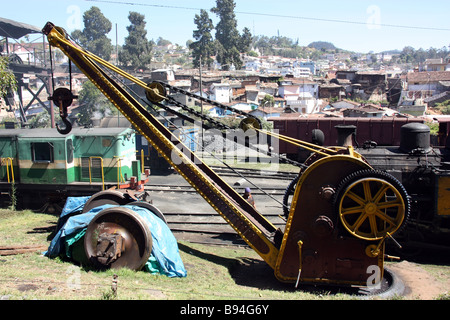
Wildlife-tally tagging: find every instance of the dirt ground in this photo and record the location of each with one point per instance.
(419, 283)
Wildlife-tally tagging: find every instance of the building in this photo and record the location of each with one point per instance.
(269, 88)
(182, 98)
(221, 92)
(163, 75)
(434, 65)
(345, 104)
(370, 85)
(418, 86)
(368, 111)
(311, 65)
(267, 112)
(331, 90)
(301, 95)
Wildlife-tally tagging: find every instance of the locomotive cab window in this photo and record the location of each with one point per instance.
(42, 152)
(70, 149)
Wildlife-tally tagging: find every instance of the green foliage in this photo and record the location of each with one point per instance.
(93, 37)
(322, 45)
(137, 50)
(229, 42)
(443, 107)
(285, 47)
(8, 82)
(203, 48)
(91, 100)
(268, 101)
(245, 40)
(41, 120)
(409, 55)
(163, 42)
(434, 128)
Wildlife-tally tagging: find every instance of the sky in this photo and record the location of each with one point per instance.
(360, 26)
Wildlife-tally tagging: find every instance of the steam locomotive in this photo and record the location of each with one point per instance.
(402, 148)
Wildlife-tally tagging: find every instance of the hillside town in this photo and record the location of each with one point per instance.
(273, 86)
(336, 84)
(234, 166)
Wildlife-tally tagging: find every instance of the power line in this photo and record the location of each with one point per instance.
(274, 15)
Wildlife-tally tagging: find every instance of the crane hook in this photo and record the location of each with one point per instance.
(63, 98)
(67, 126)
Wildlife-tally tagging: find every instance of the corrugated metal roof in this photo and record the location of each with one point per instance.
(16, 30)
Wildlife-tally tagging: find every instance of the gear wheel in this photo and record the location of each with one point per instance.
(372, 204)
(287, 196)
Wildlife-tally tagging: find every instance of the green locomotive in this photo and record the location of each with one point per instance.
(40, 167)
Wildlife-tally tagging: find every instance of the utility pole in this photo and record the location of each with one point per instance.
(117, 47)
(201, 95)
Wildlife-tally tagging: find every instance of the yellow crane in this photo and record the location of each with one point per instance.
(342, 210)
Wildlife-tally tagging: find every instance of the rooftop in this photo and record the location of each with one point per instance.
(432, 76)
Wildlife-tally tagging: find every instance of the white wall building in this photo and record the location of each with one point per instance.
(221, 92)
(300, 95)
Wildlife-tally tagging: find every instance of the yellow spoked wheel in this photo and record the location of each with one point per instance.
(372, 204)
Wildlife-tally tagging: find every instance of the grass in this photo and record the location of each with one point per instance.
(214, 272)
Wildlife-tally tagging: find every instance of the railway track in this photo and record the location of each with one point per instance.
(276, 191)
(254, 173)
(209, 228)
(191, 219)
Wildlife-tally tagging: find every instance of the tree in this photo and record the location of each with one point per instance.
(8, 82)
(267, 101)
(203, 48)
(319, 45)
(227, 34)
(245, 40)
(91, 100)
(137, 50)
(93, 37)
(443, 107)
(162, 42)
(41, 120)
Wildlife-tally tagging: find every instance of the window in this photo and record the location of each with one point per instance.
(42, 152)
(70, 149)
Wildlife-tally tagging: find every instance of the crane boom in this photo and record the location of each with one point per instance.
(341, 213)
(253, 228)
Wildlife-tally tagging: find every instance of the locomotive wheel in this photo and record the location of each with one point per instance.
(118, 238)
(101, 198)
(371, 204)
(150, 208)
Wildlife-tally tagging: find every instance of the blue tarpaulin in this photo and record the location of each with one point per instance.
(72, 224)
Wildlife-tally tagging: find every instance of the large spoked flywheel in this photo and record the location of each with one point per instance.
(372, 204)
